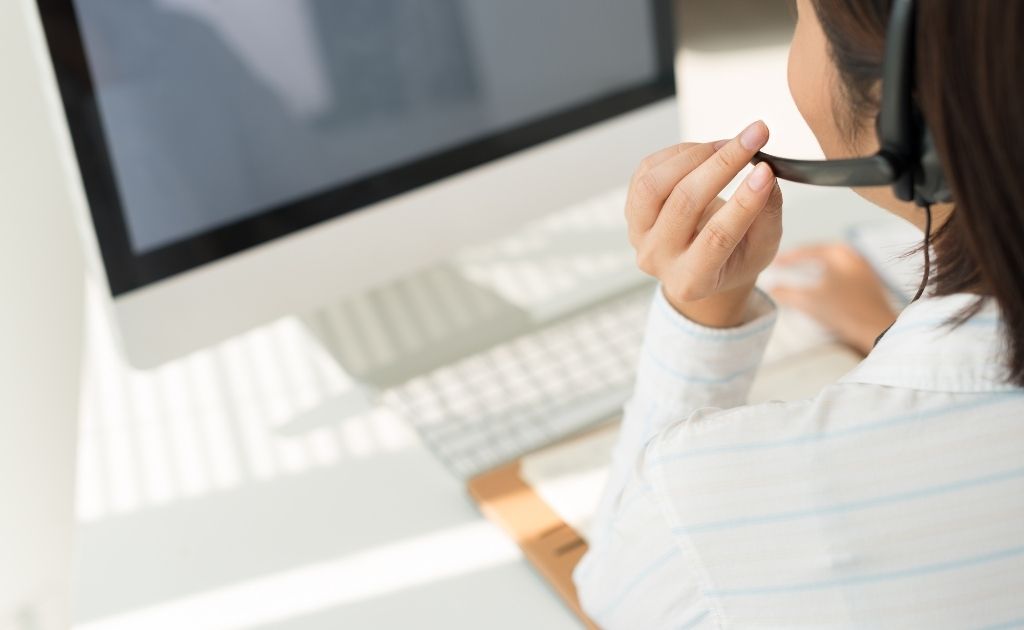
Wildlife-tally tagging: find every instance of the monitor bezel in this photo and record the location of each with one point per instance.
(128, 271)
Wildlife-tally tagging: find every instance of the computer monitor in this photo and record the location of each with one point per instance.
(246, 159)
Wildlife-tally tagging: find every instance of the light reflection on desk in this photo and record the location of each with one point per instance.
(212, 420)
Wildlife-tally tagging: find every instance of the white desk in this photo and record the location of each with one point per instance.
(202, 507)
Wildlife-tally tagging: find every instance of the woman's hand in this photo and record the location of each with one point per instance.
(706, 252)
(848, 297)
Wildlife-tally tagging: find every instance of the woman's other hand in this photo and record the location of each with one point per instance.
(847, 296)
(706, 251)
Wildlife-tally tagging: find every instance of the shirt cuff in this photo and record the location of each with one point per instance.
(760, 311)
(679, 352)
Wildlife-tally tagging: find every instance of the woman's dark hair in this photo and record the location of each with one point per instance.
(969, 79)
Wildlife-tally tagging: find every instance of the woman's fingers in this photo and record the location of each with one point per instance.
(766, 232)
(680, 217)
(650, 189)
(685, 235)
(848, 298)
(655, 159)
(726, 229)
(708, 179)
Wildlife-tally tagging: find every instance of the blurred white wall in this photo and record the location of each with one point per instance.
(41, 281)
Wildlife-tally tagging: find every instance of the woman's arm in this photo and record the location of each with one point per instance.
(634, 575)
(706, 334)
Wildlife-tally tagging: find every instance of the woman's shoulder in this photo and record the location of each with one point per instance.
(841, 409)
(833, 433)
(851, 435)
(856, 484)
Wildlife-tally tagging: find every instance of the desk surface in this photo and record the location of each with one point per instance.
(203, 505)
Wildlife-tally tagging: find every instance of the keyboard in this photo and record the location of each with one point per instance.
(530, 391)
(544, 386)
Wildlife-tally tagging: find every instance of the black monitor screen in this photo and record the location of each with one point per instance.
(203, 128)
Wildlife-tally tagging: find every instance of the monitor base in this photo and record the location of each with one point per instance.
(549, 270)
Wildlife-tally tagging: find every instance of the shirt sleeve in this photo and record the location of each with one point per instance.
(634, 575)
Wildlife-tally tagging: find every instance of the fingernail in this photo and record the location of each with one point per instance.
(759, 178)
(721, 143)
(754, 137)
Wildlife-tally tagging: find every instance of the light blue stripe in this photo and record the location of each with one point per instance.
(725, 334)
(645, 573)
(858, 580)
(694, 622)
(892, 421)
(699, 380)
(1006, 625)
(853, 506)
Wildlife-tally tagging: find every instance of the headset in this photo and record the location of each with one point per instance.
(908, 159)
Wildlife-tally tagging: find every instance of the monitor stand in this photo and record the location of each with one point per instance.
(392, 333)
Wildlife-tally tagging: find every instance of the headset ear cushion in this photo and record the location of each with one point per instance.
(930, 183)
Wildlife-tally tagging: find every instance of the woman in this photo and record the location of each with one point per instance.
(896, 496)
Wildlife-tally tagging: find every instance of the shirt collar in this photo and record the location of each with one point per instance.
(922, 352)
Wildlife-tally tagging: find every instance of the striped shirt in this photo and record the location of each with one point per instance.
(894, 498)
